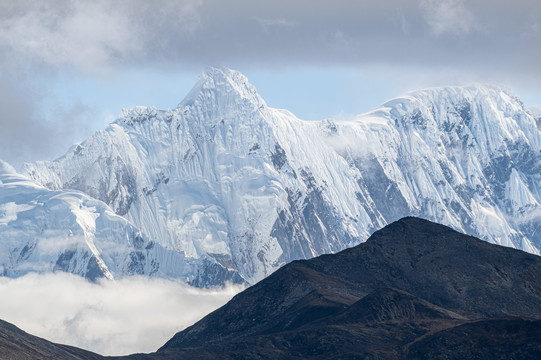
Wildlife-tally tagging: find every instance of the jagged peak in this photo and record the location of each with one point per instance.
(137, 114)
(227, 82)
(223, 82)
(464, 89)
(497, 107)
(225, 74)
(454, 94)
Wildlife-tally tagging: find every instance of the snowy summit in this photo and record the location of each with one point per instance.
(225, 189)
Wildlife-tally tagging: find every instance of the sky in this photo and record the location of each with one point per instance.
(68, 67)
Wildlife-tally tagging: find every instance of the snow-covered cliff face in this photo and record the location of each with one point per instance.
(44, 230)
(236, 187)
(469, 157)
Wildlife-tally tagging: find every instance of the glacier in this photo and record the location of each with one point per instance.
(235, 189)
(46, 230)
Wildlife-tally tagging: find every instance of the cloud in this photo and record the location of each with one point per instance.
(87, 34)
(271, 24)
(493, 40)
(194, 33)
(110, 318)
(39, 41)
(448, 16)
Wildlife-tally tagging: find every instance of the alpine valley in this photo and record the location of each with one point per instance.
(224, 188)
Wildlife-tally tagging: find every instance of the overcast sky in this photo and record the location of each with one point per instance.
(68, 67)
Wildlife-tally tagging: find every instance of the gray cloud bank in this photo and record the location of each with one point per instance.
(111, 318)
(493, 39)
(500, 34)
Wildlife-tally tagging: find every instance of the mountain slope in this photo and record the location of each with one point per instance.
(44, 230)
(411, 287)
(462, 274)
(469, 157)
(240, 188)
(15, 344)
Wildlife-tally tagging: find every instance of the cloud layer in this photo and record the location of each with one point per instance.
(490, 40)
(91, 35)
(88, 34)
(110, 318)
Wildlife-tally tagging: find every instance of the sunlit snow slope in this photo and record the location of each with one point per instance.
(239, 189)
(42, 230)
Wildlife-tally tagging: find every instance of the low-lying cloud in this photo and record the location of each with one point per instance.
(111, 317)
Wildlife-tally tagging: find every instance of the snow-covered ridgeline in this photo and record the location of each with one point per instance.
(222, 175)
(46, 230)
(469, 157)
(238, 187)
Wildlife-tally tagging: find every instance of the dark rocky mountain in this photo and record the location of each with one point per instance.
(15, 344)
(414, 290)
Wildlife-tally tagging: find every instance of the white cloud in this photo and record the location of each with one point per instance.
(110, 318)
(535, 22)
(448, 17)
(187, 33)
(88, 35)
(274, 22)
(67, 33)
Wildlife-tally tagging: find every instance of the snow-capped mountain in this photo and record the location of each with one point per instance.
(222, 175)
(46, 230)
(237, 187)
(469, 157)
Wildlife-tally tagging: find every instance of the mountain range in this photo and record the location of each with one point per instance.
(414, 290)
(224, 188)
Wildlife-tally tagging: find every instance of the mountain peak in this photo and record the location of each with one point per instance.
(218, 90)
(457, 95)
(489, 118)
(222, 82)
(371, 288)
(225, 74)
